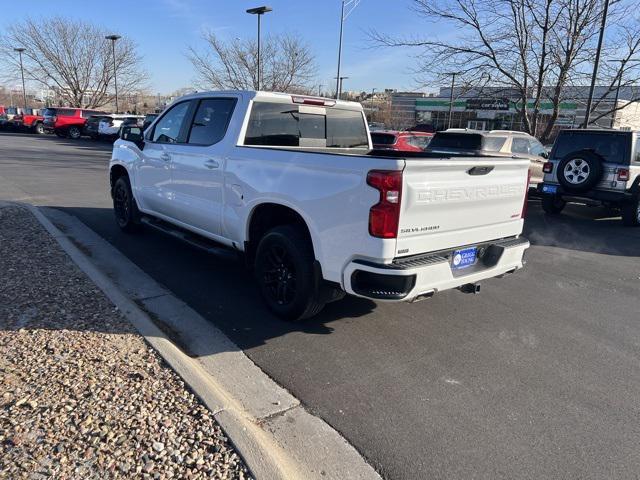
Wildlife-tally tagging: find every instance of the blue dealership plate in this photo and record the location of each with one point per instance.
(464, 258)
(549, 188)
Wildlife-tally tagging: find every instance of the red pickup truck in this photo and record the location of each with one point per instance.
(33, 122)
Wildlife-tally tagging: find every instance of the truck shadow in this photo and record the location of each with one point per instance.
(222, 291)
(582, 228)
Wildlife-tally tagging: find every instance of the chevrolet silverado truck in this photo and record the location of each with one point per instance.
(292, 182)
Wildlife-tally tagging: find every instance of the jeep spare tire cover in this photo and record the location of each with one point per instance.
(580, 171)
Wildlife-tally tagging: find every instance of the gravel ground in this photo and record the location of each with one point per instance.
(83, 396)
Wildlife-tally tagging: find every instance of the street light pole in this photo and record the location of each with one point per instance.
(24, 91)
(259, 11)
(113, 39)
(453, 84)
(596, 63)
(373, 91)
(338, 81)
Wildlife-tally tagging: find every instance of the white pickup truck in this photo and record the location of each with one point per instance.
(291, 181)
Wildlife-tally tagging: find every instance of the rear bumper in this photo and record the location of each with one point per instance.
(410, 278)
(593, 194)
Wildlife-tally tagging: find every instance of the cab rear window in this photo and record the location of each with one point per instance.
(614, 147)
(289, 125)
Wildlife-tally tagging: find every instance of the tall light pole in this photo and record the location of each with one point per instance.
(113, 39)
(340, 79)
(259, 11)
(24, 91)
(453, 85)
(596, 64)
(320, 89)
(373, 91)
(352, 4)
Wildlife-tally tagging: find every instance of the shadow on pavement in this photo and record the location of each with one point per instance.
(583, 228)
(222, 291)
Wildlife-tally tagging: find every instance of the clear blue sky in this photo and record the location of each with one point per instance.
(164, 28)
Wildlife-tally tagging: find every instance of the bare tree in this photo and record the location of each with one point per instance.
(74, 59)
(528, 48)
(287, 64)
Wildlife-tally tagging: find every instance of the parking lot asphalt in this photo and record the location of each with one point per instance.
(536, 377)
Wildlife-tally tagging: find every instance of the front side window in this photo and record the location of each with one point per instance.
(211, 120)
(287, 125)
(168, 128)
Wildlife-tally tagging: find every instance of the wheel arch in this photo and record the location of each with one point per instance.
(267, 215)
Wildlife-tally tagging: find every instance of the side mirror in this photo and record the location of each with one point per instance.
(544, 154)
(133, 134)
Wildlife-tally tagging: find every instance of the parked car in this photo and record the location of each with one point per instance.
(290, 181)
(67, 122)
(109, 125)
(6, 117)
(149, 119)
(400, 141)
(600, 166)
(31, 121)
(91, 126)
(499, 142)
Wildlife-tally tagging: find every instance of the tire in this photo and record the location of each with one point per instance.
(552, 204)
(631, 212)
(125, 207)
(74, 133)
(38, 129)
(580, 171)
(285, 272)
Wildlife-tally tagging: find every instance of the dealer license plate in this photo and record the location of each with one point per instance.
(464, 258)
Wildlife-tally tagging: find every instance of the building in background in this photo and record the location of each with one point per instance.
(495, 109)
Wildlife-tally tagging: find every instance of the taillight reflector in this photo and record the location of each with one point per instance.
(547, 167)
(384, 216)
(623, 174)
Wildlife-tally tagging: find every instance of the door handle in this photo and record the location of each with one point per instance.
(211, 164)
(165, 156)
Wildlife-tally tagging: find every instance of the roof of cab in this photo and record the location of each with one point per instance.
(274, 97)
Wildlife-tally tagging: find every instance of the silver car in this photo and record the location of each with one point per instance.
(506, 142)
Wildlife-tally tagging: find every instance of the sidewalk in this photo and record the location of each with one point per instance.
(83, 396)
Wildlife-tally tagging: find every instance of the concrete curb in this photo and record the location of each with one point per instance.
(275, 435)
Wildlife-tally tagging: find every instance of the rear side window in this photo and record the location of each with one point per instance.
(494, 144)
(49, 112)
(211, 121)
(383, 138)
(287, 125)
(520, 145)
(167, 130)
(612, 146)
(457, 141)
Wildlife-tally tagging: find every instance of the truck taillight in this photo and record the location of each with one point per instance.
(526, 195)
(623, 174)
(384, 216)
(547, 167)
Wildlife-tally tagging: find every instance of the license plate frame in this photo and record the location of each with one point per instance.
(464, 258)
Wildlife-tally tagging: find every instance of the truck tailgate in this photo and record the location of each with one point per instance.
(448, 203)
